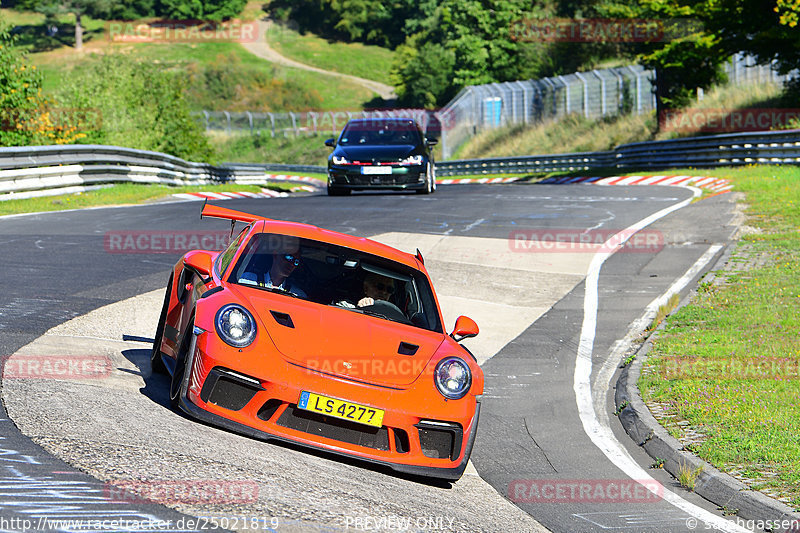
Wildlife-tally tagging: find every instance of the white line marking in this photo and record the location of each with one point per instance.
(601, 435)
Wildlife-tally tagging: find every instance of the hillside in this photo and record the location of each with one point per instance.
(577, 134)
(222, 75)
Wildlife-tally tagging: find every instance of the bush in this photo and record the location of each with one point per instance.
(226, 84)
(26, 117)
(139, 106)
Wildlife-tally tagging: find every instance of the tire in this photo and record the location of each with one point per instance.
(430, 182)
(156, 363)
(333, 191)
(179, 381)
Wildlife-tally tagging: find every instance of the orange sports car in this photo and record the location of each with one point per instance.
(335, 342)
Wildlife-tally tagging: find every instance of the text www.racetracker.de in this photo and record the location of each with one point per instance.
(44, 523)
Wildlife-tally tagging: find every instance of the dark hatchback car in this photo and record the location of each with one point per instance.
(381, 153)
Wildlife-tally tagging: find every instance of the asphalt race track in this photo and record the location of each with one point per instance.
(483, 247)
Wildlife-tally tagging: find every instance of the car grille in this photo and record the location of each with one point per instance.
(365, 180)
(333, 428)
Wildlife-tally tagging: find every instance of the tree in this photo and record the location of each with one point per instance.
(26, 117)
(463, 42)
(78, 8)
(686, 56)
(764, 29)
(205, 10)
(430, 67)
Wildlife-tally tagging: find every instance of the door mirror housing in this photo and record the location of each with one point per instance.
(199, 261)
(464, 329)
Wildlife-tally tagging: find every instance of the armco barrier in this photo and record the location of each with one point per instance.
(732, 149)
(34, 169)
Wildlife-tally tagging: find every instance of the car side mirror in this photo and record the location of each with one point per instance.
(431, 142)
(199, 261)
(465, 328)
(330, 142)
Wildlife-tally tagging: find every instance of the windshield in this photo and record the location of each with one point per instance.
(336, 276)
(380, 132)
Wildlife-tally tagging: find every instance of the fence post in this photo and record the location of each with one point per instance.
(228, 117)
(205, 114)
(250, 119)
(272, 123)
(566, 86)
(585, 94)
(294, 123)
(602, 92)
(638, 90)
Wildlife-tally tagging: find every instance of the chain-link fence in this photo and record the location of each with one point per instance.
(592, 94)
(293, 124)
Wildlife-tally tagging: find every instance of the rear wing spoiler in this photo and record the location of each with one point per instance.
(214, 211)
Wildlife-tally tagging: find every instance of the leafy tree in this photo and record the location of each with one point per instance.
(385, 23)
(206, 10)
(78, 8)
(764, 29)
(26, 117)
(686, 57)
(430, 67)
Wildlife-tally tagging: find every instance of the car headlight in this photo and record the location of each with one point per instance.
(340, 160)
(235, 325)
(412, 160)
(453, 378)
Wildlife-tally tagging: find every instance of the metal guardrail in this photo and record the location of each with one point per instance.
(772, 147)
(40, 170)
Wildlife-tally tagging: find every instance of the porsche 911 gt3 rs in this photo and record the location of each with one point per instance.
(323, 339)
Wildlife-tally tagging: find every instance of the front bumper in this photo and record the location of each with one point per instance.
(432, 440)
(403, 177)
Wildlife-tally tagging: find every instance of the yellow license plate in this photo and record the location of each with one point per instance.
(340, 409)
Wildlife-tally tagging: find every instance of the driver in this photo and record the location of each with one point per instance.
(285, 258)
(376, 287)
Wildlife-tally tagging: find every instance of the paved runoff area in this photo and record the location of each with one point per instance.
(96, 373)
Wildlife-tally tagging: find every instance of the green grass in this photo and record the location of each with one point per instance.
(729, 363)
(253, 84)
(120, 194)
(246, 148)
(364, 61)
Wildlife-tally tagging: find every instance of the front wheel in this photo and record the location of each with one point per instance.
(430, 181)
(180, 377)
(156, 362)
